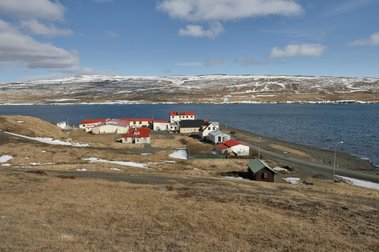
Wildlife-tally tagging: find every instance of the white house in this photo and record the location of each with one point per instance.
(217, 137)
(136, 136)
(234, 147)
(173, 127)
(138, 122)
(178, 116)
(62, 125)
(88, 124)
(209, 127)
(159, 125)
(111, 127)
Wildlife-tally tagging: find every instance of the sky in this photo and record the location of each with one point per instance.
(42, 39)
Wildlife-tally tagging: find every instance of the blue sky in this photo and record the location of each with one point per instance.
(47, 38)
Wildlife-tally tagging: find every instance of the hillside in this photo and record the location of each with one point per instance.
(110, 196)
(192, 89)
(30, 126)
(45, 211)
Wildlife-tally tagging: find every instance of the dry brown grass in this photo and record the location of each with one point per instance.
(47, 213)
(193, 210)
(30, 126)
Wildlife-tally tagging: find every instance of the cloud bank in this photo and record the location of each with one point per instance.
(373, 40)
(199, 32)
(296, 50)
(216, 11)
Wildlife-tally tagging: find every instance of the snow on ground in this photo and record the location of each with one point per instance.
(280, 169)
(179, 154)
(292, 180)
(115, 169)
(233, 177)
(131, 164)
(5, 158)
(48, 140)
(359, 182)
(6, 165)
(82, 169)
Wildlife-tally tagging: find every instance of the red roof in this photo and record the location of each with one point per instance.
(137, 119)
(222, 146)
(231, 143)
(87, 121)
(161, 121)
(137, 133)
(187, 113)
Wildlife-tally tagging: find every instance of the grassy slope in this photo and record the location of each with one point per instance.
(39, 212)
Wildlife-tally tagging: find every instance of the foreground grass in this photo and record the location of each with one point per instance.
(40, 212)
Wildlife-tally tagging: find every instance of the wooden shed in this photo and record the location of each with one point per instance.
(260, 171)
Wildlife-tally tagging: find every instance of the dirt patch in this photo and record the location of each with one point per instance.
(288, 150)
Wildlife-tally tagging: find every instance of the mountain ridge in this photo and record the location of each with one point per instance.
(214, 88)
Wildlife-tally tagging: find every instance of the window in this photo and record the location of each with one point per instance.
(265, 175)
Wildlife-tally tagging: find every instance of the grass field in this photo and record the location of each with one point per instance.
(182, 205)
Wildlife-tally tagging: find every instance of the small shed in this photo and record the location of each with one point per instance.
(217, 137)
(159, 125)
(260, 171)
(62, 125)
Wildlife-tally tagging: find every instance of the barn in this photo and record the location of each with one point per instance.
(260, 171)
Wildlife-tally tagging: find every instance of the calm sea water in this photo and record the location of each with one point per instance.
(357, 125)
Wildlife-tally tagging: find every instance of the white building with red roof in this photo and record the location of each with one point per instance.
(88, 124)
(234, 147)
(136, 136)
(138, 122)
(179, 116)
(111, 127)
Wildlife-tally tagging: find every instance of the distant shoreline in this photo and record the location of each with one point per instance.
(184, 103)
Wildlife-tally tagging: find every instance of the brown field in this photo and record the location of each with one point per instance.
(173, 205)
(41, 212)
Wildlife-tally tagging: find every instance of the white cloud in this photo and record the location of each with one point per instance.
(245, 61)
(349, 6)
(199, 32)
(112, 34)
(295, 50)
(18, 47)
(213, 62)
(225, 10)
(373, 40)
(41, 9)
(38, 28)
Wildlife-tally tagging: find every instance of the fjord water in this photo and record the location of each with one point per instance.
(357, 125)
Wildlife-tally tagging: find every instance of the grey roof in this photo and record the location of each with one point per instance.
(217, 133)
(256, 165)
(191, 123)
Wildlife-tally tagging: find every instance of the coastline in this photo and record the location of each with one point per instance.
(320, 159)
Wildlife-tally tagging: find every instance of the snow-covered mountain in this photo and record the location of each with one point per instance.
(192, 89)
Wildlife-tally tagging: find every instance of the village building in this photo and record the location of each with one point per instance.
(179, 116)
(260, 171)
(139, 122)
(136, 136)
(217, 137)
(88, 124)
(62, 125)
(111, 127)
(234, 147)
(190, 126)
(173, 127)
(209, 127)
(160, 125)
